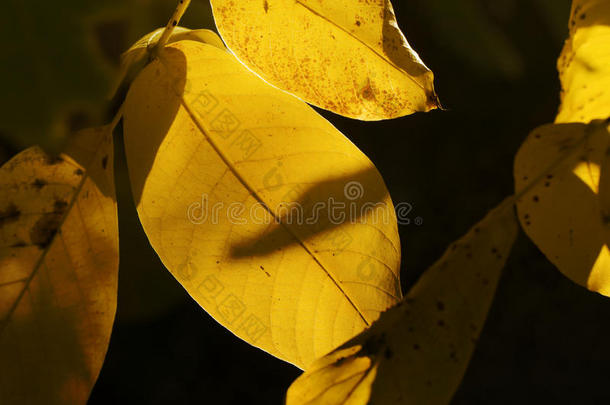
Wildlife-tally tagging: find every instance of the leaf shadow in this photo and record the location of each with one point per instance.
(158, 106)
(305, 212)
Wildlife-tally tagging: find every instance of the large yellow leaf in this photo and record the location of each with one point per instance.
(418, 351)
(58, 270)
(561, 212)
(218, 162)
(584, 65)
(347, 56)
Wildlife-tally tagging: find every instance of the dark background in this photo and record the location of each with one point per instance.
(546, 338)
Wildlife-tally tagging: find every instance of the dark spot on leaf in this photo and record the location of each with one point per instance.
(415, 346)
(340, 362)
(453, 356)
(440, 305)
(53, 160)
(78, 172)
(104, 162)
(45, 229)
(18, 244)
(60, 206)
(266, 6)
(39, 183)
(358, 23)
(535, 198)
(10, 214)
(367, 92)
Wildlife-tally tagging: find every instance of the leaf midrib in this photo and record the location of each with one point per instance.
(254, 194)
(388, 61)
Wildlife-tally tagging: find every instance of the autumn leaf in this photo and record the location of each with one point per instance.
(562, 211)
(346, 56)
(58, 270)
(140, 53)
(584, 64)
(418, 351)
(558, 168)
(222, 167)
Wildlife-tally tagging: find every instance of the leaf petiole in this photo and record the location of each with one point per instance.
(171, 24)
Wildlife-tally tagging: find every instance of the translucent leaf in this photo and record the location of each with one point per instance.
(561, 213)
(346, 56)
(233, 181)
(58, 270)
(584, 65)
(418, 351)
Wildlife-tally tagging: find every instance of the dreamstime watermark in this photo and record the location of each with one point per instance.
(349, 208)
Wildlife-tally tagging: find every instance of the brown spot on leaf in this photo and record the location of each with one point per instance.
(10, 214)
(367, 92)
(266, 6)
(46, 227)
(53, 160)
(104, 162)
(39, 183)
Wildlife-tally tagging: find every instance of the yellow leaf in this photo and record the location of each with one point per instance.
(347, 56)
(418, 351)
(561, 211)
(58, 270)
(219, 161)
(139, 55)
(584, 65)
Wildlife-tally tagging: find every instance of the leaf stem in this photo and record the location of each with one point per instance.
(171, 24)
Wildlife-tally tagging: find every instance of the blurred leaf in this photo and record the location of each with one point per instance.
(60, 58)
(217, 159)
(346, 56)
(58, 270)
(561, 213)
(418, 351)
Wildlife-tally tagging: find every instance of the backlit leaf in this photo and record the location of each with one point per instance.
(584, 65)
(218, 161)
(418, 351)
(347, 56)
(58, 270)
(562, 213)
(139, 55)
